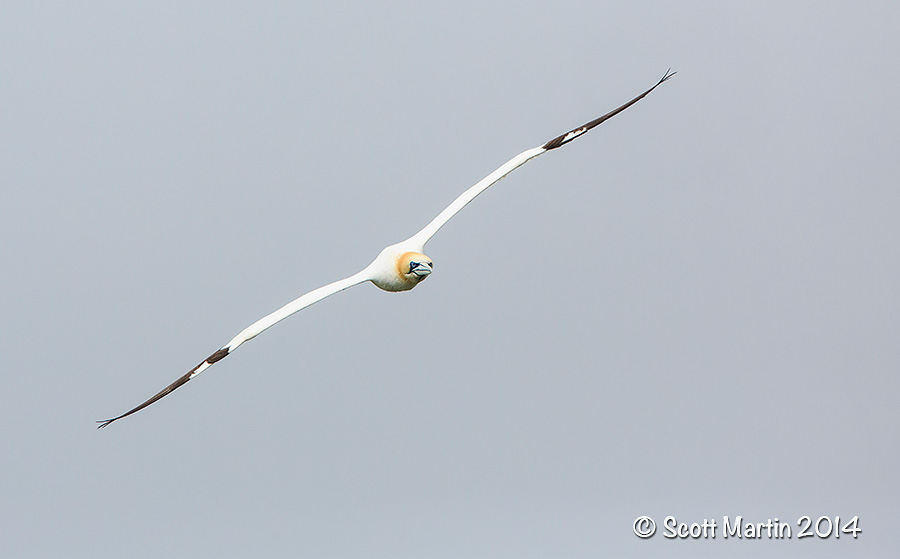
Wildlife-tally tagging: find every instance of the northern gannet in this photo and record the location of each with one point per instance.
(399, 267)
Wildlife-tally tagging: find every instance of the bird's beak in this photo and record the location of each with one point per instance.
(422, 269)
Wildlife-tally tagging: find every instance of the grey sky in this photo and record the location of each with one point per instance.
(690, 311)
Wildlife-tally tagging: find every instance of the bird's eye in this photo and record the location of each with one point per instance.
(430, 264)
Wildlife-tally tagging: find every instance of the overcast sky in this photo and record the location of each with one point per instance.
(691, 311)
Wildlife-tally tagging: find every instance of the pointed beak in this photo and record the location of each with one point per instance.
(421, 269)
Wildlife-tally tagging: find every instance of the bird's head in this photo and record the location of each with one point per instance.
(414, 266)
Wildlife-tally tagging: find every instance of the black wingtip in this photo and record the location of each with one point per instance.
(669, 74)
(215, 357)
(574, 133)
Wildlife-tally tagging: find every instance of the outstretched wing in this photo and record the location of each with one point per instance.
(248, 334)
(425, 234)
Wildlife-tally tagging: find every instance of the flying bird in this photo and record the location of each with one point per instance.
(399, 267)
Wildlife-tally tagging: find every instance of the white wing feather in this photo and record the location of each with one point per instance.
(296, 305)
(422, 237)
